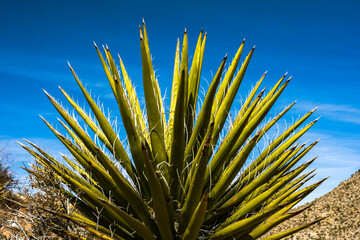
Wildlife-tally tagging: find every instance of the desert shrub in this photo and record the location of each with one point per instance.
(7, 179)
(30, 220)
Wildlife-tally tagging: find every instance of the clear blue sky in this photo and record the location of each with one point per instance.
(317, 42)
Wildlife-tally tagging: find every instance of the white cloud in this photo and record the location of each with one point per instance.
(109, 96)
(338, 158)
(40, 74)
(335, 112)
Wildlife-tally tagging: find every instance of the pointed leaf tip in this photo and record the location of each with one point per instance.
(302, 145)
(262, 91)
(293, 148)
(323, 180)
(311, 160)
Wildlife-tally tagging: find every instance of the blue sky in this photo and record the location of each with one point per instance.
(315, 41)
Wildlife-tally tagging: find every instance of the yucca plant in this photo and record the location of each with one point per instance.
(184, 175)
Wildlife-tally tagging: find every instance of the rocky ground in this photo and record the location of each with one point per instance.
(342, 205)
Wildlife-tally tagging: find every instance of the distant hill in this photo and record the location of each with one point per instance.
(342, 205)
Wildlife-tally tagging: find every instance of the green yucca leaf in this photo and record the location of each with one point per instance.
(255, 121)
(272, 92)
(134, 101)
(263, 161)
(91, 194)
(81, 171)
(152, 73)
(274, 144)
(196, 180)
(242, 136)
(194, 82)
(203, 119)
(292, 231)
(241, 195)
(159, 201)
(250, 98)
(243, 225)
(227, 144)
(261, 198)
(184, 65)
(58, 168)
(196, 220)
(178, 139)
(153, 106)
(263, 228)
(91, 226)
(174, 98)
(289, 165)
(225, 106)
(133, 132)
(261, 132)
(304, 192)
(120, 152)
(129, 123)
(186, 175)
(278, 186)
(88, 121)
(194, 76)
(142, 230)
(227, 80)
(290, 188)
(230, 173)
(114, 178)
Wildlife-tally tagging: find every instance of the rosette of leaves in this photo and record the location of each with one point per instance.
(184, 175)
